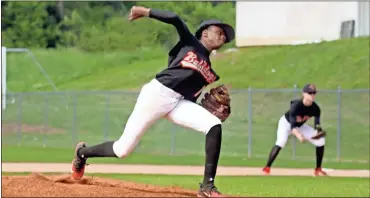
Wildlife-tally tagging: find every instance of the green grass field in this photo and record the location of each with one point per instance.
(265, 186)
(65, 118)
(259, 185)
(52, 123)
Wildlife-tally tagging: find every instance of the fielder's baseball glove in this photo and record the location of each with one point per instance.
(217, 101)
(320, 133)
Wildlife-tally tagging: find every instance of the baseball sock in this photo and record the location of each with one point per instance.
(213, 148)
(101, 150)
(319, 155)
(273, 154)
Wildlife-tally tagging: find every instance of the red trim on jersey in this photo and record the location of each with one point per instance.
(191, 61)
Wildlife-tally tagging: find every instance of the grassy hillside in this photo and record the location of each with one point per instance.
(328, 64)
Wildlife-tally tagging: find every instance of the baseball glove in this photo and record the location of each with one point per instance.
(320, 133)
(217, 101)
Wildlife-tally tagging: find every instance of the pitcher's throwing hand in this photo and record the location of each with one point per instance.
(138, 12)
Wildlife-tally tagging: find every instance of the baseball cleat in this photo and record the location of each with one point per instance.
(78, 163)
(208, 190)
(320, 172)
(266, 170)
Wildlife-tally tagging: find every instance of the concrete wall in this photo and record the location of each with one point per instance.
(286, 23)
(363, 24)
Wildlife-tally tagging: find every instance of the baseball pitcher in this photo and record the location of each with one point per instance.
(293, 122)
(172, 95)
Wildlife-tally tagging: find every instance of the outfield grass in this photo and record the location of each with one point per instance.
(17, 154)
(275, 186)
(266, 186)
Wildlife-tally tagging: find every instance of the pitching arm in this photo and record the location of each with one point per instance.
(173, 19)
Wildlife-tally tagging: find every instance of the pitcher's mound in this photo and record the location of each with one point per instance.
(37, 185)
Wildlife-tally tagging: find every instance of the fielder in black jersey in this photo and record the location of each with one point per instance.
(293, 122)
(172, 95)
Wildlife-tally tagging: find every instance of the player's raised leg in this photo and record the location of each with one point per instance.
(282, 133)
(307, 133)
(154, 101)
(194, 116)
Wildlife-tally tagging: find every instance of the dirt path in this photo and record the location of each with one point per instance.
(171, 170)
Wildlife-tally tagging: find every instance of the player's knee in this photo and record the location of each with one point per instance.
(212, 122)
(120, 150)
(320, 142)
(215, 121)
(123, 155)
(215, 131)
(281, 143)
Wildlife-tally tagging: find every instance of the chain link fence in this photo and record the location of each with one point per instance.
(61, 119)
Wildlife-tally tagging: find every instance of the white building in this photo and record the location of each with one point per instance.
(286, 23)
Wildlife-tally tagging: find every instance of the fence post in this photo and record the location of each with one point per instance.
(294, 140)
(339, 123)
(106, 125)
(173, 140)
(249, 122)
(46, 121)
(19, 127)
(3, 77)
(74, 119)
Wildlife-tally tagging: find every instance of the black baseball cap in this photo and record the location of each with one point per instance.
(228, 29)
(309, 88)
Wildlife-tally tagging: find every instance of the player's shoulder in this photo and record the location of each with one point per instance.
(296, 102)
(295, 105)
(315, 105)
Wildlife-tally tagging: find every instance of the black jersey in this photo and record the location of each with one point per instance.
(189, 68)
(298, 113)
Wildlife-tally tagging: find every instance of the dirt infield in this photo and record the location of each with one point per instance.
(37, 185)
(62, 185)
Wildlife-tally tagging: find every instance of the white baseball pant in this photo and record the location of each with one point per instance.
(284, 131)
(156, 101)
